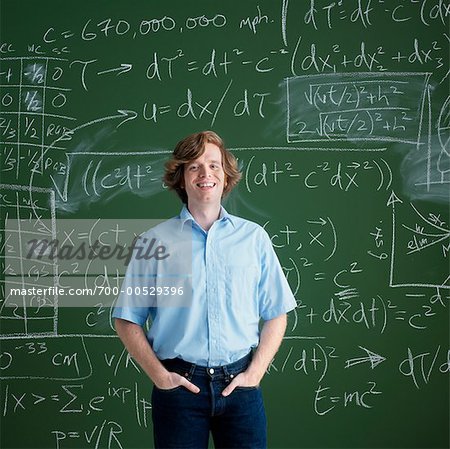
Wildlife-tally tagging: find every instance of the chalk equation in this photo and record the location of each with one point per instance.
(363, 106)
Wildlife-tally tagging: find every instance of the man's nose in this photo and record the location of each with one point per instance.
(204, 172)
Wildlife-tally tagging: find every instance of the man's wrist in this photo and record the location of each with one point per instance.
(159, 375)
(254, 375)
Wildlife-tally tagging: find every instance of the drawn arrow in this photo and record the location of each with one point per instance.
(122, 69)
(67, 135)
(321, 222)
(130, 115)
(393, 198)
(126, 114)
(372, 357)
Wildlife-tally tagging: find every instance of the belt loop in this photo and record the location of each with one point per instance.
(189, 373)
(228, 376)
(225, 370)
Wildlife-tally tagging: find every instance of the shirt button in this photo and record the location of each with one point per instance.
(211, 370)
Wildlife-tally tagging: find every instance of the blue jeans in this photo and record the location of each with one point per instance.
(182, 419)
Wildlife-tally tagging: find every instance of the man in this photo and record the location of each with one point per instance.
(206, 361)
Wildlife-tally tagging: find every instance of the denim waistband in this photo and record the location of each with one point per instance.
(189, 369)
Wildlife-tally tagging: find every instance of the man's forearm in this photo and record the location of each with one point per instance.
(135, 340)
(270, 340)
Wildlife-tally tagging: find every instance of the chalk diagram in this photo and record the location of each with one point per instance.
(30, 324)
(422, 244)
(422, 241)
(33, 205)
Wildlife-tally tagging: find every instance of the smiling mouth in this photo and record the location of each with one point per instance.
(206, 185)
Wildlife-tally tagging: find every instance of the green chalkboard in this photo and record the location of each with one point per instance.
(339, 115)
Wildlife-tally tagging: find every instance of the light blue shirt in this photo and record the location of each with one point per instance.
(237, 280)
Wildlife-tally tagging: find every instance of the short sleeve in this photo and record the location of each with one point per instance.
(133, 303)
(275, 295)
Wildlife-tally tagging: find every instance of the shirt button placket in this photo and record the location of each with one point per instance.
(212, 300)
(209, 296)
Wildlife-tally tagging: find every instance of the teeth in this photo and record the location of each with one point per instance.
(206, 184)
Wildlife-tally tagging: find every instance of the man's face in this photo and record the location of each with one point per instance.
(204, 177)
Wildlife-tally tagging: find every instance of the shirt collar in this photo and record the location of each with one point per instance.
(185, 216)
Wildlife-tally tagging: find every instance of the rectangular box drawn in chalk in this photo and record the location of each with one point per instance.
(34, 112)
(26, 210)
(420, 247)
(356, 107)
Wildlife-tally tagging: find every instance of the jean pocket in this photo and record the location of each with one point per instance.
(168, 390)
(250, 388)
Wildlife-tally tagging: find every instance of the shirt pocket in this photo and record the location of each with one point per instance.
(241, 287)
